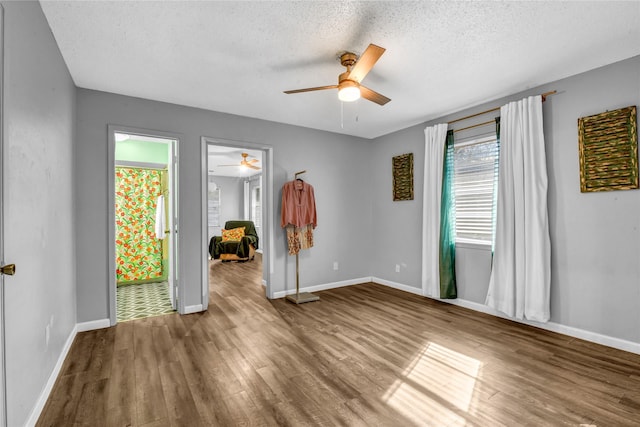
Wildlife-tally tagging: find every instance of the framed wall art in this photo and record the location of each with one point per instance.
(403, 177)
(608, 144)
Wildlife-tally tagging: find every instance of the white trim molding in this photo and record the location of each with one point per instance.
(46, 391)
(323, 287)
(396, 285)
(571, 331)
(93, 324)
(190, 309)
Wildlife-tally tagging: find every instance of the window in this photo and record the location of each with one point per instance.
(213, 203)
(256, 209)
(475, 183)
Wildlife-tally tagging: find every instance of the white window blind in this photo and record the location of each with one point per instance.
(475, 184)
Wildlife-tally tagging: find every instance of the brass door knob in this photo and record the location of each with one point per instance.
(9, 269)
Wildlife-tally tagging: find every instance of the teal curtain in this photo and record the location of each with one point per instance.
(448, 288)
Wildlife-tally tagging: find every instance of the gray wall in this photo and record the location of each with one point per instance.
(39, 109)
(341, 188)
(594, 236)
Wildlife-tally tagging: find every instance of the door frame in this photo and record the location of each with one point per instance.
(3, 384)
(111, 238)
(267, 209)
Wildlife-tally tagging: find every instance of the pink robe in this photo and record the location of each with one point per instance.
(298, 205)
(298, 215)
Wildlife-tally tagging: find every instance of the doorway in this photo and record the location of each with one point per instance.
(232, 191)
(143, 239)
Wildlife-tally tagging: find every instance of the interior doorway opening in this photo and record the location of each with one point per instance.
(236, 191)
(143, 238)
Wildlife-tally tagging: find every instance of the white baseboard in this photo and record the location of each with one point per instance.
(594, 337)
(396, 285)
(571, 331)
(46, 391)
(322, 287)
(190, 309)
(93, 324)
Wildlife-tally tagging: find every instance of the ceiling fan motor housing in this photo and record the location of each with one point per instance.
(347, 59)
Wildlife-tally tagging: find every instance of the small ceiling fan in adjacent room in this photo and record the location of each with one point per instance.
(246, 163)
(349, 87)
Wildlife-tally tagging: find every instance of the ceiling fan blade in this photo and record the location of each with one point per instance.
(252, 161)
(373, 96)
(310, 89)
(366, 62)
(252, 167)
(227, 165)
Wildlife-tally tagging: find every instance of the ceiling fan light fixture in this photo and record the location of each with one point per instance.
(348, 91)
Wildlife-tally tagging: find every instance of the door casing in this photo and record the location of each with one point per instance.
(267, 209)
(3, 384)
(174, 221)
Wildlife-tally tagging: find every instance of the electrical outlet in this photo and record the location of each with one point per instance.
(397, 268)
(335, 265)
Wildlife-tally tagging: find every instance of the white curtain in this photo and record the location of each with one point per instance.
(435, 138)
(521, 273)
(160, 218)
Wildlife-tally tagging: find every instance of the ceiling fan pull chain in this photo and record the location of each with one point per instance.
(341, 115)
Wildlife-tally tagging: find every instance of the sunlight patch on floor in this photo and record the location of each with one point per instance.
(436, 386)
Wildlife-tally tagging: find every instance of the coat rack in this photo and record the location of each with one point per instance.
(299, 297)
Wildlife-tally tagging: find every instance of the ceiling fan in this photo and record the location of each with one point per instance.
(349, 87)
(246, 163)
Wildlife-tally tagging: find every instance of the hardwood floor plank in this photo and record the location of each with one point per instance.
(179, 402)
(61, 407)
(121, 390)
(163, 344)
(91, 407)
(149, 395)
(124, 337)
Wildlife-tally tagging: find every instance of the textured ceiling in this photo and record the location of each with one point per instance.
(238, 57)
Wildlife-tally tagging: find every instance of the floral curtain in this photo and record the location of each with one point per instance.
(138, 251)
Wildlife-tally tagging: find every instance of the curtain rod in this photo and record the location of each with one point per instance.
(544, 97)
(143, 168)
(475, 126)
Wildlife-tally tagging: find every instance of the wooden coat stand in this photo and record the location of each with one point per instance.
(300, 297)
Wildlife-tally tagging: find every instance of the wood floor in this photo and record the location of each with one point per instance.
(363, 355)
